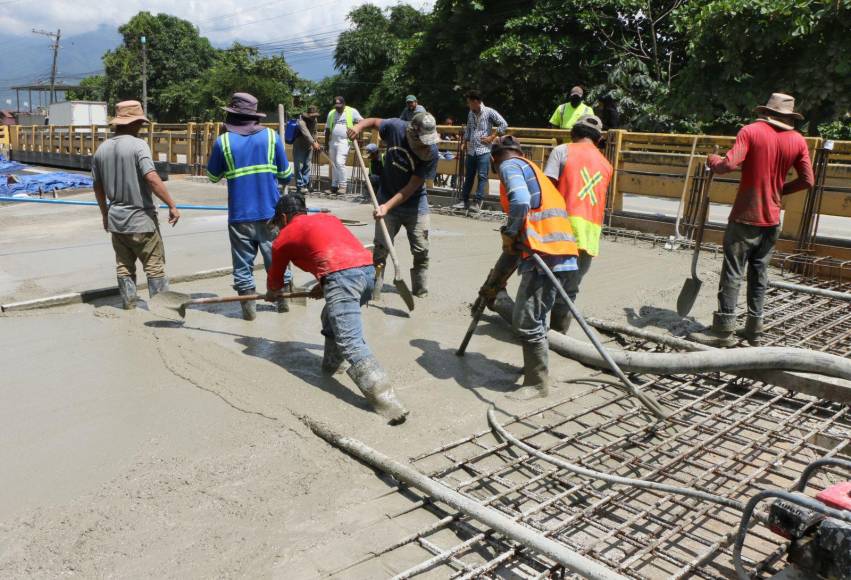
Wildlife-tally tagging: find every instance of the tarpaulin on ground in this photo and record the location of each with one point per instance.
(45, 182)
(7, 166)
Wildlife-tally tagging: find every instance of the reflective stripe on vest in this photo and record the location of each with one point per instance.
(547, 228)
(332, 118)
(584, 182)
(269, 167)
(579, 111)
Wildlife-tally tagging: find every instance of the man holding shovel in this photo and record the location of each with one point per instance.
(765, 150)
(321, 244)
(410, 159)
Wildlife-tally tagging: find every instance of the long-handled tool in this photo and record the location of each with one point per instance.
(172, 305)
(674, 241)
(400, 284)
(647, 400)
(496, 280)
(691, 287)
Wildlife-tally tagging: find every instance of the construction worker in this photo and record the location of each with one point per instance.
(321, 244)
(123, 172)
(304, 145)
(566, 114)
(582, 175)
(252, 159)
(376, 165)
(765, 150)
(409, 160)
(536, 222)
(340, 119)
(412, 107)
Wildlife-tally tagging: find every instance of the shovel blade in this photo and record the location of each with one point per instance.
(688, 295)
(405, 293)
(169, 305)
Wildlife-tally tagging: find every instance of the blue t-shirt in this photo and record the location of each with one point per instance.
(259, 161)
(400, 164)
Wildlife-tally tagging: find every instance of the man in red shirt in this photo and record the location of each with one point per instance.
(765, 150)
(321, 244)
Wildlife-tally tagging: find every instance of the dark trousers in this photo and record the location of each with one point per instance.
(746, 247)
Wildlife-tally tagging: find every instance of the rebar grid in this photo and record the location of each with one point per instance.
(727, 435)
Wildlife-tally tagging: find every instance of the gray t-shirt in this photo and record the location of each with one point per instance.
(555, 162)
(120, 165)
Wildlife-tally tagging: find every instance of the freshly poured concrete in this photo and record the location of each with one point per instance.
(132, 447)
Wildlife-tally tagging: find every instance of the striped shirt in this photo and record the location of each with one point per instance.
(480, 125)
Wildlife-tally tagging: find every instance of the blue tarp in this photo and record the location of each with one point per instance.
(45, 182)
(7, 166)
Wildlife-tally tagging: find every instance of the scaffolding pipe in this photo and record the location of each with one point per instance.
(499, 522)
(727, 360)
(825, 293)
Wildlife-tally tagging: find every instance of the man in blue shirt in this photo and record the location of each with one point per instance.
(252, 159)
(410, 159)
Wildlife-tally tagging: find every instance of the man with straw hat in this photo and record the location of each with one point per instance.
(765, 151)
(252, 159)
(124, 173)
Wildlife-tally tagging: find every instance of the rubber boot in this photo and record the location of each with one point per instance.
(375, 386)
(127, 289)
(752, 330)
(283, 305)
(560, 318)
(536, 380)
(249, 309)
(157, 285)
(332, 360)
(419, 282)
(379, 282)
(720, 335)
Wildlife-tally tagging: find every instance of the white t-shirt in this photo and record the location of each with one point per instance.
(338, 133)
(555, 162)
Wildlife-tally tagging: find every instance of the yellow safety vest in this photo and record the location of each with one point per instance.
(568, 121)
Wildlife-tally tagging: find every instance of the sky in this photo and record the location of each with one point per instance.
(309, 27)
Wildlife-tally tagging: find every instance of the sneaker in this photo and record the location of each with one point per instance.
(476, 206)
(462, 205)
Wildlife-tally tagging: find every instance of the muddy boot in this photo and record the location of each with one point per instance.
(283, 305)
(560, 318)
(752, 330)
(127, 289)
(332, 361)
(157, 285)
(536, 380)
(249, 309)
(720, 335)
(379, 282)
(373, 383)
(419, 282)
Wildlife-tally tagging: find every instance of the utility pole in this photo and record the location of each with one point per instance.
(144, 75)
(55, 36)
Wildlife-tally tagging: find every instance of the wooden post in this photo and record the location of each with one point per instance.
(793, 204)
(617, 195)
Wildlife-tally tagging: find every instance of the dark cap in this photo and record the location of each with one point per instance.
(312, 111)
(338, 100)
(243, 104)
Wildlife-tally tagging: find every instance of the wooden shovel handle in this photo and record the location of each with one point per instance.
(244, 298)
(387, 241)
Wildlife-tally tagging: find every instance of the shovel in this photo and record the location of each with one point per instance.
(400, 284)
(172, 305)
(691, 287)
(673, 242)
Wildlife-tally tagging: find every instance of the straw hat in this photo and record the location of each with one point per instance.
(127, 112)
(782, 106)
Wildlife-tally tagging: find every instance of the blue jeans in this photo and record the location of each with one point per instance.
(476, 165)
(246, 239)
(536, 296)
(301, 162)
(345, 292)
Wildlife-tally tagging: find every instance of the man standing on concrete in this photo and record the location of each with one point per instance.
(252, 159)
(304, 145)
(321, 244)
(536, 222)
(410, 159)
(582, 175)
(124, 173)
(340, 119)
(566, 114)
(412, 107)
(478, 137)
(765, 150)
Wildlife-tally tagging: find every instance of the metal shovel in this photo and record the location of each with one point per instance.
(691, 287)
(172, 305)
(400, 284)
(673, 242)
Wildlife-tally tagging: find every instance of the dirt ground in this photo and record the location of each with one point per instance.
(133, 447)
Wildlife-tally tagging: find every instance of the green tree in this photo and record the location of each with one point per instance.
(91, 89)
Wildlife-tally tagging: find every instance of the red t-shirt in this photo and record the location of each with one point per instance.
(765, 154)
(319, 244)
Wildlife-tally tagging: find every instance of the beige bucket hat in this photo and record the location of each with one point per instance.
(782, 106)
(127, 112)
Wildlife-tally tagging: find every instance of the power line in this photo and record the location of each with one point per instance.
(267, 19)
(55, 36)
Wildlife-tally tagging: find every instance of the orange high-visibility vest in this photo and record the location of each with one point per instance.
(584, 182)
(547, 229)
